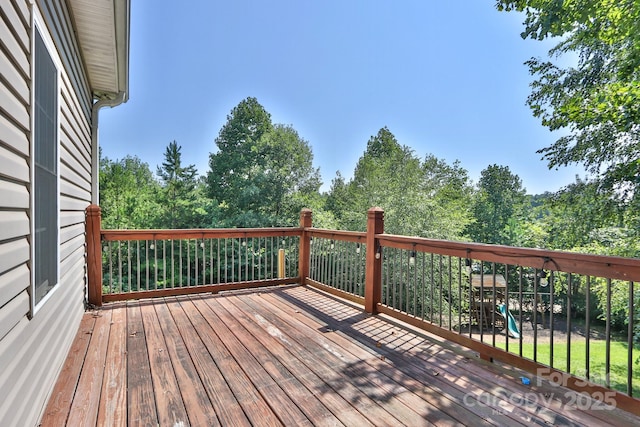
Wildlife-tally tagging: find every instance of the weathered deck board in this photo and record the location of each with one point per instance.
(286, 380)
(255, 407)
(140, 399)
(447, 393)
(286, 410)
(84, 409)
(169, 403)
(61, 398)
(113, 403)
(223, 401)
(194, 396)
(374, 375)
(286, 356)
(546, 402)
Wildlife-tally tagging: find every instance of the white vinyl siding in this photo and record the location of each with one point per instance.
(33, 345)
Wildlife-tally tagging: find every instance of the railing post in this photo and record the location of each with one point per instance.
(305, 247)
(373, 272)
(94, 255)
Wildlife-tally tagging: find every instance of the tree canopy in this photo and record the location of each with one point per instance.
(499, 199)
(597, 101)
(261, 171)
(128, 194)
(183, 205)
(419, 198)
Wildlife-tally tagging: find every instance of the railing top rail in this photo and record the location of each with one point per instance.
(572, 262)
(204, 233)
(350, 236)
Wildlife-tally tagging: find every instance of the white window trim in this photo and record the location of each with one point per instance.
(39, 25)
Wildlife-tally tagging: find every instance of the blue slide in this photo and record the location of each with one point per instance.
(512, 326)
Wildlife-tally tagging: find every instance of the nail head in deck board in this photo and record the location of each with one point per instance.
(224, 402)
(113, 401)
(197, 404)
(140, 398)
(169, 403)
(59, 404)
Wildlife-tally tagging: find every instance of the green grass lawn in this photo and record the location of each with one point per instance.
(597, 357)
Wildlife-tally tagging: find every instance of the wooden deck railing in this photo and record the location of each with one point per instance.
(134, 264)
(569, 317)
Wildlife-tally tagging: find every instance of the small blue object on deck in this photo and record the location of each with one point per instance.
(512, 326)
(525, 380)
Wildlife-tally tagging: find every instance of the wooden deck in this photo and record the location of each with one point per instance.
(288, 356)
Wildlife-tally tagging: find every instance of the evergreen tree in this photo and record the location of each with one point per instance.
(178, 194)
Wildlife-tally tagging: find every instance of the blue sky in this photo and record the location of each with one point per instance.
(447, 78)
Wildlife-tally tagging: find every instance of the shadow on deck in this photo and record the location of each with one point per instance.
(290, 356)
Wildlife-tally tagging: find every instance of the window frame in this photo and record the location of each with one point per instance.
(39, 28)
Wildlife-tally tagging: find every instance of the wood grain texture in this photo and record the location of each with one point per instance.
(290, 355)
(113, 403)
(140, 397)
(63, 394)
(84, 409)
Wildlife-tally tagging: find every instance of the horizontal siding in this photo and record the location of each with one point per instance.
(70, 204)
(12, 46)
(66, 156)
(13, 165)
(71, 189)
(73, 153)
(12, 312)
(13, 107)
(32, 350)
(73, 112)
(13, 225)
(14, 195)
(11, 136)
(24, 12)
(12, 283)
(70, 218)
(17, 24)
(70, 246)
(13, 253)
(34, 367)
(14, 77)
(69, 174)
(15, 277)
(68, 233)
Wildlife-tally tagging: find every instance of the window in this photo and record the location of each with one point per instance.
(45, 171)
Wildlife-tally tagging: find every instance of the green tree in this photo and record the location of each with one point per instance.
(230, 180)
(418, 198)
(499, 198)
(262, 174)
(451, 190)
(597, 101)
(181, 203)
(286, 178)
(128, 194)
(578, 210)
